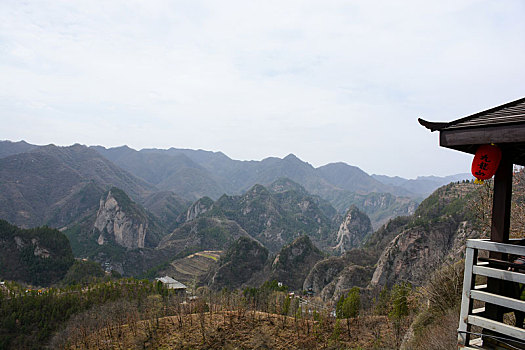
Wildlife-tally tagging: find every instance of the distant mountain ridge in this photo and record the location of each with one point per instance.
(187, 175)
(422, 185)
(36, 185)
(199, 173)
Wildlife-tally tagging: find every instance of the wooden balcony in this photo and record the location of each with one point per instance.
(483, 327)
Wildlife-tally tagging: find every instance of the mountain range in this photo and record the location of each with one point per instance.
(184, 176)
(136, 211)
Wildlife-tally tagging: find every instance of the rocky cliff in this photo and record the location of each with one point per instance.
(122, 221)
(198, 208)
(333, 275)
(43, 185)
(353, 231)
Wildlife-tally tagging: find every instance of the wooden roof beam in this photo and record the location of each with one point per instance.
(482, 135)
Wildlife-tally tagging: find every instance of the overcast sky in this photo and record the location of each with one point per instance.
(326, 80)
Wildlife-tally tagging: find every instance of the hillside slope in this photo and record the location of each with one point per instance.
(35, 184)
(39, 256)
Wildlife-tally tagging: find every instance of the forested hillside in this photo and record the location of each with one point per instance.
(39, 256)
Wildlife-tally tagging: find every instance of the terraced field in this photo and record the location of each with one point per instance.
(193, 266)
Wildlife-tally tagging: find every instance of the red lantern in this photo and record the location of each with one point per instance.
(486, 161)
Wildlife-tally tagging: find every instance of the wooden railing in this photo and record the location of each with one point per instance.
(493, 331)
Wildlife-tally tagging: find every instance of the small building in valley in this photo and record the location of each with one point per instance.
(171, 283)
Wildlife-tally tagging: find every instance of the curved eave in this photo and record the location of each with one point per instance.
(510, 138)
(432, 126)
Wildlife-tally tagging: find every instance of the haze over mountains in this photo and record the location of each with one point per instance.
(134, 211)
(210, 221)
(178, 176)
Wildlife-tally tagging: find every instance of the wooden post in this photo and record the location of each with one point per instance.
(502, 201)
(500, 227)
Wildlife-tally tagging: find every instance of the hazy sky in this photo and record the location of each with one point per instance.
(326, 80)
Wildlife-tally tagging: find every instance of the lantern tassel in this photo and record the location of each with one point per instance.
(479, 182)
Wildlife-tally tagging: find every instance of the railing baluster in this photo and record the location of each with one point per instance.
(471, 292)
(466, 305)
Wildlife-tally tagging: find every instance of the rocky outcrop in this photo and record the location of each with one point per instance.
(119, 220)
(276, 219)
(353, 231)
(198, 208)
(350, 276)
(334, 275)
(324, 272)
(416, 251)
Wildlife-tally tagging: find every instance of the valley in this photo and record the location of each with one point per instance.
(217, 224)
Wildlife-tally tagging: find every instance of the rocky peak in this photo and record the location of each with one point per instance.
(257, 190)
(198, 208)
(119, 220)
(354, 229)
(284, 184)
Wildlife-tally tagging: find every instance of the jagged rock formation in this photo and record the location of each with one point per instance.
(198, 208)
(122, 221)
(243, 264)
(275, 219)
(354, 230)
(404, 249)
(113, 220)
(380, 207)
(323, 272)
(62, 187)
(350, 276)
(40, 186)
(36, 178)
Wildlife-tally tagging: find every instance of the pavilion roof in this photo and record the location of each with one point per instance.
(502, 125)
(506, 114)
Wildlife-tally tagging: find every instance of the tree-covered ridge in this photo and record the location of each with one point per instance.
(28, 318)
(275, 219)
(39, 256)
(201, 234)
(449, 201)
(243, 259)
